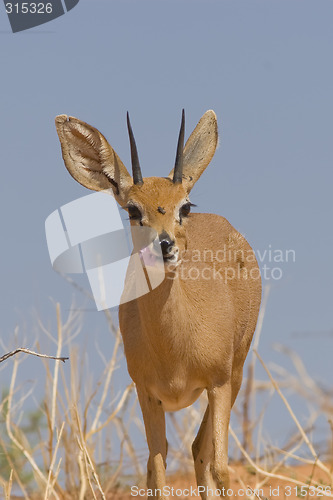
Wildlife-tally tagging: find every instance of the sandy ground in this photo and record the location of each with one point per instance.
(243, 483)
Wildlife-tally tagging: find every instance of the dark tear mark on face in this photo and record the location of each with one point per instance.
(161, 210)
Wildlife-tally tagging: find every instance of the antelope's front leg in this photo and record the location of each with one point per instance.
(154, 420)
(219, 398)
(210, 448)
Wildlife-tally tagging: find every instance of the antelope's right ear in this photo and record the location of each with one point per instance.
(199, 150)
(90, 159)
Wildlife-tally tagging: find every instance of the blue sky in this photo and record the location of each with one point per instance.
(264, 67)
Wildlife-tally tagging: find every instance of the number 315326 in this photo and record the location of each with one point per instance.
(28, 8)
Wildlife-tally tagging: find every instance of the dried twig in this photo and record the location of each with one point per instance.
(50, 483)
(293, 416)
(28, 351)
(88, 462)
(271, 474)
(12, 437)
(108, 376)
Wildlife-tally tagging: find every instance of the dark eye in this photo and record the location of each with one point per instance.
(185, 210)
(134, 212)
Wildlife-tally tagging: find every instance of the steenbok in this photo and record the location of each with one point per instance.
(194, 330)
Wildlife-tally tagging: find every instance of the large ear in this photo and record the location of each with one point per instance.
(90, 159)
(199, 149)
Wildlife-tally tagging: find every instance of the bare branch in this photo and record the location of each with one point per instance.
(28, 351)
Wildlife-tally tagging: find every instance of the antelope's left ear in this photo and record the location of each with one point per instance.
(199, 149)
(90, 159)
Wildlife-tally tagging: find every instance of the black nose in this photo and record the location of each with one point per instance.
(166, 243)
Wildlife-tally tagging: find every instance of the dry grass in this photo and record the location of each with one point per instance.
(63, 462)
(75, 455)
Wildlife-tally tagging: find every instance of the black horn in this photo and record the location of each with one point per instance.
(178, 170)
(136, 169)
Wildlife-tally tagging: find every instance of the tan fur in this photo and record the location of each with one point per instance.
(193, 332)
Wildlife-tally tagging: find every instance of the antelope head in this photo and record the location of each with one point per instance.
(162, 204)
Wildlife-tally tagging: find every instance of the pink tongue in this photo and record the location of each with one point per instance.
(148, 257)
